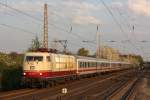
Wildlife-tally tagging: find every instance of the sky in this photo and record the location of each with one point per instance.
(123, 21)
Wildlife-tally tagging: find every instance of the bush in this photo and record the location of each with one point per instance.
(2, 65)
(11, 78)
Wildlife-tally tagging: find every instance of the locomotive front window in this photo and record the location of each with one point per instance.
(38, 58)
(34, 58)
(29, 58)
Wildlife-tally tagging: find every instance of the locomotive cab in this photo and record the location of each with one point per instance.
(36, 64)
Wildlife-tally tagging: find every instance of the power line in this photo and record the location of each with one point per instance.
(19, 11)
(112, 15)
(18, 28)
(26, 31)
(118, 24)
(38, 19)
(130, 27)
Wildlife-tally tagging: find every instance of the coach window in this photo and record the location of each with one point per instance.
(115, 64)
(105, 65)
(48, 58)
(102, 64)
(92, 64)
(80, 64)
(87, 64)
(112, 65)
(84, 65)
(98, 64)
(119, 65)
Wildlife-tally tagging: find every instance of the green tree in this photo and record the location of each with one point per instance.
(83, 52)
(35, 44)
(140, 60)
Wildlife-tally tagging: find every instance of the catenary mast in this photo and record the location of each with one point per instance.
(45, 38)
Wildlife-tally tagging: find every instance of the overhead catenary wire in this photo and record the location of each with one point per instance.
(18, 28)
(40, 20)
(77, 45)
(19, 11)
(131, 29)
(119, 25)
(37, 19)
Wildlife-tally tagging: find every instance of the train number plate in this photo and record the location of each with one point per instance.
(32, 67)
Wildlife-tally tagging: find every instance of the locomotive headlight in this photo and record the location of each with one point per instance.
(41, 74)
(24, 74)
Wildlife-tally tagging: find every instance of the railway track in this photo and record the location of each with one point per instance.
(15, 93)
(130, 90)
(75, 88)
(88, 91)
(105, 93)
(123, 92)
